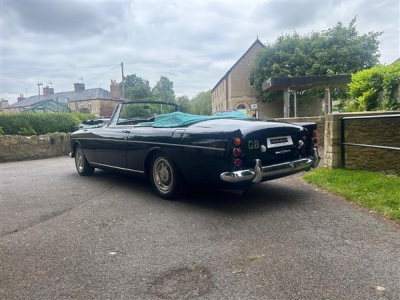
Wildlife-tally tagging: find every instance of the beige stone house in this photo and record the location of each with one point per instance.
(96, 101)
(235, 91)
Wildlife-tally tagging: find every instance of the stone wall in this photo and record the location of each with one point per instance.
(374, 131)
(17, 148)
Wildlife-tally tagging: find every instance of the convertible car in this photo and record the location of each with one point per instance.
(173, 149)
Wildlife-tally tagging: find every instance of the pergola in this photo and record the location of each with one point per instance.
(288, 84)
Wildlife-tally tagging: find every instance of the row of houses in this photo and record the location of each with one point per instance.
(97, 101)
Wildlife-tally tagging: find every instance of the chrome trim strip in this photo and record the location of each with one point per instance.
(156, 143)
(259, 173)
(114, 167)
(179, 145)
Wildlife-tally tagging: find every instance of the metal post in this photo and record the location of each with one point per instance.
(123, 81)
(342, 146)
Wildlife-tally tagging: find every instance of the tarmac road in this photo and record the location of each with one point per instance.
(107, 236)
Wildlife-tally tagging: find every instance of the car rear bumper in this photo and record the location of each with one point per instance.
(262, 173)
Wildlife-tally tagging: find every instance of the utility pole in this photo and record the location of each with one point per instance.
(123, 81)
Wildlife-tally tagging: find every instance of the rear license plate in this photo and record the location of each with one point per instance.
(279, 141)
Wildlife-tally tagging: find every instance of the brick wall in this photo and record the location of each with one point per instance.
(375, 131)
(235, 89)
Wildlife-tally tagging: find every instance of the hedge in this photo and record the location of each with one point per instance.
(40, 123)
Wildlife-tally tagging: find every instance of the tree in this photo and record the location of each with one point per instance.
(164, 90)
(137, 88)
(338, 50)
(391, 82)
(184, 102)
(201, 104)
(367, 86)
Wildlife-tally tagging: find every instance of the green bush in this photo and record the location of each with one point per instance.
(27, 131)
(1, 131)
(39, 123)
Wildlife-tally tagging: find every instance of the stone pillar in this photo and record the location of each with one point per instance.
(332, 141)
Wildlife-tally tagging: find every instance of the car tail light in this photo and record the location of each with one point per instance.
(237, 152)
(315, 139)
(237, 162)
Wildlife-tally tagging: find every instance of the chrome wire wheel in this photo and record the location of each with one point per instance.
(163, 175)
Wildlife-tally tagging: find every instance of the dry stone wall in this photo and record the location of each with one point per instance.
(16, 147)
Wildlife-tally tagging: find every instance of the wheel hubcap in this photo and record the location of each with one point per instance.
(162, 175)
(79, 160)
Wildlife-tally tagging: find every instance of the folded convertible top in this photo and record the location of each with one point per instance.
(180, 119)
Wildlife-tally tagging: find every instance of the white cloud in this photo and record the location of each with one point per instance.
(193, 43)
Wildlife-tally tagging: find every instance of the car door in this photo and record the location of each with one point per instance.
(141, 140)
(111, 145)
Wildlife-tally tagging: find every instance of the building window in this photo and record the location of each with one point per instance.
(80, 104)
(89, 105)
(76, 105)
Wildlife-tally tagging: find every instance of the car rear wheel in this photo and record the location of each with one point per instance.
(165, 177)
(82, 165)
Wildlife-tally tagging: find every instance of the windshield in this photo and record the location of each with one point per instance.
(139, 111)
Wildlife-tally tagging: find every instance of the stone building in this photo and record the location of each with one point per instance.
(3, 104)
(235, 91)
(96, 101)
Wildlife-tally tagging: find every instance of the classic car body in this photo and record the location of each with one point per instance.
(154, 140)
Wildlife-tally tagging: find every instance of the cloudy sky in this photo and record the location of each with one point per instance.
(192, 42)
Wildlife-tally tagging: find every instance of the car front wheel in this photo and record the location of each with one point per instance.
(165, 177)
(82, 165)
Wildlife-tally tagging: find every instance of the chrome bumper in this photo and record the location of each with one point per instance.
(260, 173)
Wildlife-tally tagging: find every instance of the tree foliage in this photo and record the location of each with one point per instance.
(184, 102)
(137, 88)
(201, 103)
(164, 90)
(338, 50)
(367, 88)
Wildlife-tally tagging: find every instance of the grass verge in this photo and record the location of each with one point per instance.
(375, 191)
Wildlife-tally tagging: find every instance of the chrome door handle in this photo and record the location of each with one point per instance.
(126, 131)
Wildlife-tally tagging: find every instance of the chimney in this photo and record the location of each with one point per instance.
(114, 89)
(79, 87)
(3, 103)
(48, 91)
(21, 97)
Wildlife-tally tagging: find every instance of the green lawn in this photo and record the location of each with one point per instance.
(373, 190)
